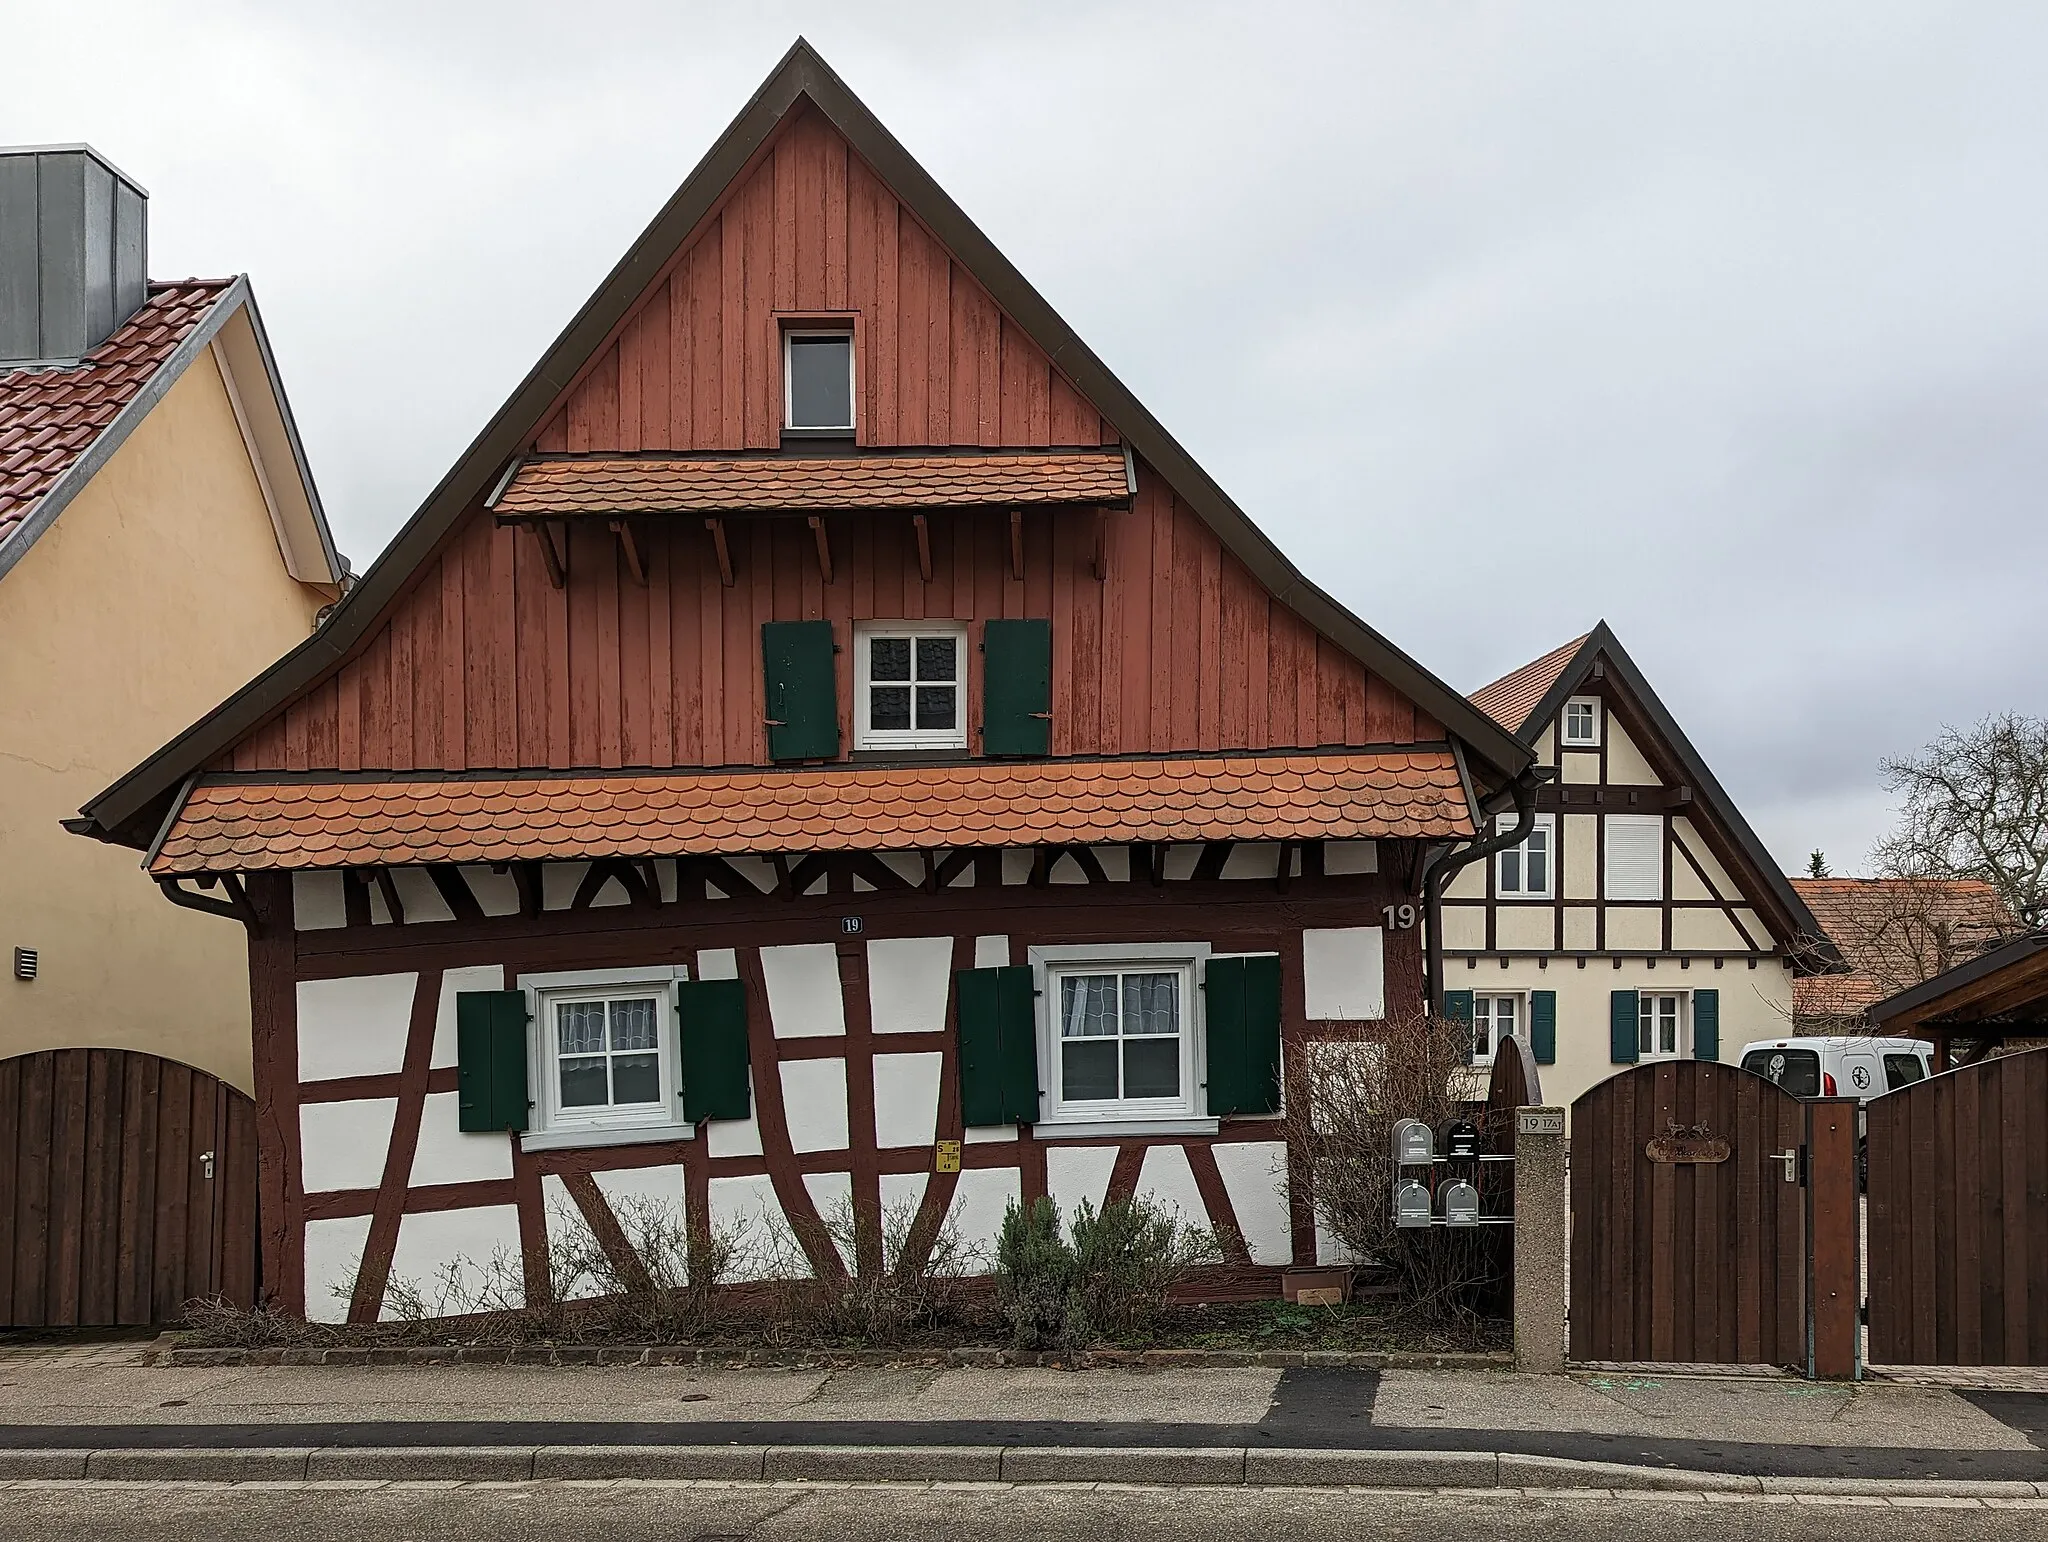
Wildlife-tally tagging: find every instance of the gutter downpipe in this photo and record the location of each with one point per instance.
(1453, 858)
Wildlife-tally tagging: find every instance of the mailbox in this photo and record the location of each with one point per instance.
(1414, 1145)
(1411, 1204)
(1461, 1204)
(1461, 1140)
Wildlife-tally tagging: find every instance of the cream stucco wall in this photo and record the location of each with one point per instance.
(1755, 1004)
(156, 593)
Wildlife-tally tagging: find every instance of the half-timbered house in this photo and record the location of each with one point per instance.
(823, 719)
(1641, 918)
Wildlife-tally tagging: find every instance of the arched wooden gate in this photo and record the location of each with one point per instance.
(1688, 1244)
(127, 1188)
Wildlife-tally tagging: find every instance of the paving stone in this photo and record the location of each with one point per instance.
(592, 1462)
(1148, 1464)
(416, 1463)
(1373, 1469)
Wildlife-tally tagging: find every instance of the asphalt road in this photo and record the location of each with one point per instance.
(551, 1513)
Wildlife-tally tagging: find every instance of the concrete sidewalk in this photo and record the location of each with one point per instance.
(71, 1414)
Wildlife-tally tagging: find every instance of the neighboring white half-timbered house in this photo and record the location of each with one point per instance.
(1641, 919)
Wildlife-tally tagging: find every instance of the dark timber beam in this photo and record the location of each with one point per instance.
(630, 549)
(923, 527)
(556, 562)
(717, 529)
(1017, 544)
(817, 524)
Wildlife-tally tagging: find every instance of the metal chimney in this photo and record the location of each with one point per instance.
(74, 252)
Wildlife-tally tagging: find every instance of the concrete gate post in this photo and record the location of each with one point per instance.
(1541, 1244)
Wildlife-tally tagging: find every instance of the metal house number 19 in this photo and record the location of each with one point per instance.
(1399, 917)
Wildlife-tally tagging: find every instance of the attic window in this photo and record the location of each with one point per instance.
(817, 377)
(1582, 722)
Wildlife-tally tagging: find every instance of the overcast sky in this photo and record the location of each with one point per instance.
(1726, 322)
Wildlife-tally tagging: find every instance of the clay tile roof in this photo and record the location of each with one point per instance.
(1511, 698)
(646, 485)
(235, 826)
(1894, 933)
(49, 417)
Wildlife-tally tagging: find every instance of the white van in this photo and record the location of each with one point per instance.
(1846, 1066)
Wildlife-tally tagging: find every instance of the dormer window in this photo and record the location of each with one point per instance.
(817, 382)
(1582, 723)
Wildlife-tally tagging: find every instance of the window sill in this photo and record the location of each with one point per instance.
(1082, 1129)
(570, 1137)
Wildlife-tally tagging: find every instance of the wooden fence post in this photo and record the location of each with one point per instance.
(1834, 1292)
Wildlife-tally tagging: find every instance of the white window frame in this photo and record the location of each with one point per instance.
(793, 334)
(1182, 1115)
(553, 1126)
(1654, 823)
(1520, 1025)
(868, 737)
(1547, 825)
(1564, 722)
(1682, 1034)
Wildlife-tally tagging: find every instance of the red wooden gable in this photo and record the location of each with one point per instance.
(483, 663)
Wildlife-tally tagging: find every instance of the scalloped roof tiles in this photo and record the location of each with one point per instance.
(315, 824)
(50, 416)
(775, 484)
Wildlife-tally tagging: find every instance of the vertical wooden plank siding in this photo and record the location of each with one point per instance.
(107, 1215)
(1958, 1210)
(483, 664)
(1688, 1261)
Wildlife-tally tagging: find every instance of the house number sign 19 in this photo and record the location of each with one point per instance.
(1400, 918)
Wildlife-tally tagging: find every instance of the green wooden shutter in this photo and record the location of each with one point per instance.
(1706, 1025)
(1241, 1003)
(1458, 1009)
(1543, 1026)
(801, 690)
(998, 1046)
(1623, 1028)
(711, 1019)
(490, 1055)
(1016, 688)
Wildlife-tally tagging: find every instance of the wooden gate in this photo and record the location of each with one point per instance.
(1958, 1215)
(127, 1187)
(1688, 1257)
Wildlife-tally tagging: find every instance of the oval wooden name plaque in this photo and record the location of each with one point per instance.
(1688, 1148)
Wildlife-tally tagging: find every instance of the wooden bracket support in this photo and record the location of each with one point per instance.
(1099, 566)
(1017, 544)
(631, 549)
(923, 527)
(717, 529)
(388, 887)
(817, 523)
(556, 561)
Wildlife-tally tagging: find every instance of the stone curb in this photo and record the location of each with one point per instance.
(827, 1359)
(1160, 1466)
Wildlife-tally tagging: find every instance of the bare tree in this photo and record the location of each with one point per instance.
(1892, 933)
(1975, 805)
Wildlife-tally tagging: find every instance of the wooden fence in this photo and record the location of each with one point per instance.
(1958, 1216)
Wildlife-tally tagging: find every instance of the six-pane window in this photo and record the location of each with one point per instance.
(1658, 1025)
(1119, 1035)
(607, 1055)
(1524, 871)
(1582, 722)
(818, 380)
(1493, 1019)
(911, 681)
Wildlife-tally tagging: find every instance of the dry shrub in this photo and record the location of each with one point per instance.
(1358, 1091)
(896, 1285)
(1108, 1282)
